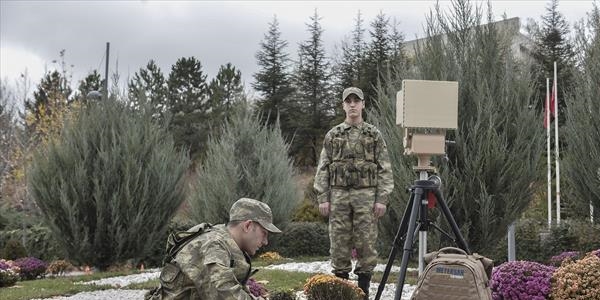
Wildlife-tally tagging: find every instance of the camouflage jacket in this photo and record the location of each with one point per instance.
(354, 156)
(210, 267)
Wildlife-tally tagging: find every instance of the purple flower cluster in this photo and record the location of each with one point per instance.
(596, 252)
(521, 280)
(31, 267)
(256, 289)
(558, 259)
(4, 265)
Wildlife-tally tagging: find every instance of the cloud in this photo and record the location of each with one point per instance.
(215, 32)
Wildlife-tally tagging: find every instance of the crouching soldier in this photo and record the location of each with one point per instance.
(213, 262)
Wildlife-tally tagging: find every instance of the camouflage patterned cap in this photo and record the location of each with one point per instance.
(352, 90)
(250, 209)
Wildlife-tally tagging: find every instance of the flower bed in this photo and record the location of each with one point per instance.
(31, 267)
(9, 273)
(521, 280)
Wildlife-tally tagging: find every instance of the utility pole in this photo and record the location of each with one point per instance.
(106, 72)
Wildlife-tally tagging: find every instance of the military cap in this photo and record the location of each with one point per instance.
(352, 90)
(250, 209)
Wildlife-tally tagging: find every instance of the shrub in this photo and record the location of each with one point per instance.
(307, 212)
(58, 267)
(109, 184)
(521, 280)
(561, 239)
(31, 267)
(9, 273)
(39, 241)
(249, 159)
(566, 256)
(283, 295)
(329, 287)
(303, 238)
(13, 250)
(256, 288)
(578, 280)
(271, 256)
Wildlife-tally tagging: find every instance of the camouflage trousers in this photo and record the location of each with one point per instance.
(352, 224)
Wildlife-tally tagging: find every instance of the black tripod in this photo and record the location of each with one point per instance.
(417, 207)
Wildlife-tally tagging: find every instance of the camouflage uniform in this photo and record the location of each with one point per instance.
(212, 266)
(354, 172)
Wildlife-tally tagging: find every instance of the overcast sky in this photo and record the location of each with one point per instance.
(32, 33)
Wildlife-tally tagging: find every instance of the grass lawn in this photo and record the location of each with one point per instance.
(274, 280)
(48, 287)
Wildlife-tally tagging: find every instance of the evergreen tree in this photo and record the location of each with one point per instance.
(491, 171)
(552, 44)
(273, 80)
(108, 186)
(582, 160)
(377, 56)
(313, 95)
(352, 56)
(397, 60)
(148, 85)
(8, 130)
(188, 104)
(44, 115)
(249, 159)
(92, 82)
(225, 91)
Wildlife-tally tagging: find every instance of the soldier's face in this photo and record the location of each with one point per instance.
(353, 106)
(256, 237)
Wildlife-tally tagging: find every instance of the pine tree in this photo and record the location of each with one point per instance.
(109, 184)
(148, 85)
(552, 44)
(249, 159)
(316, 104)
(350, 66)
(188, 104)
(377, 56)
(582, 160)
(397, 60)
(273, 80)
(225, 92)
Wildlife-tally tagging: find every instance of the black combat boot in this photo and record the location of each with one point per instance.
(342, 275)
(364, 282)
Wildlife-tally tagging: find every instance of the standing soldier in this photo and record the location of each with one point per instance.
(353, 181)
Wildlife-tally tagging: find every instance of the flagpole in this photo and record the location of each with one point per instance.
(548, 153)
(556, 144)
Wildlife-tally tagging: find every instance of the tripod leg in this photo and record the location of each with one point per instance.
(459, 238)
(408, 243)
(399, 236)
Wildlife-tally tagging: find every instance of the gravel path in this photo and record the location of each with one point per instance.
(105, 295)
(122, 281)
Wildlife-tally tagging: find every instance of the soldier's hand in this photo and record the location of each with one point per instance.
(324, 209)
(379, 209)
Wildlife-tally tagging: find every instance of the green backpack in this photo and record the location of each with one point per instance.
(177, 240)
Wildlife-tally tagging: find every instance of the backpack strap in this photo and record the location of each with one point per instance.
(177, 240)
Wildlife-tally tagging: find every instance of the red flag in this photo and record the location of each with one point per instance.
(552, 110)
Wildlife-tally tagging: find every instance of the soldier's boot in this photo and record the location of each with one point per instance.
(343, 275)
(364, 282)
